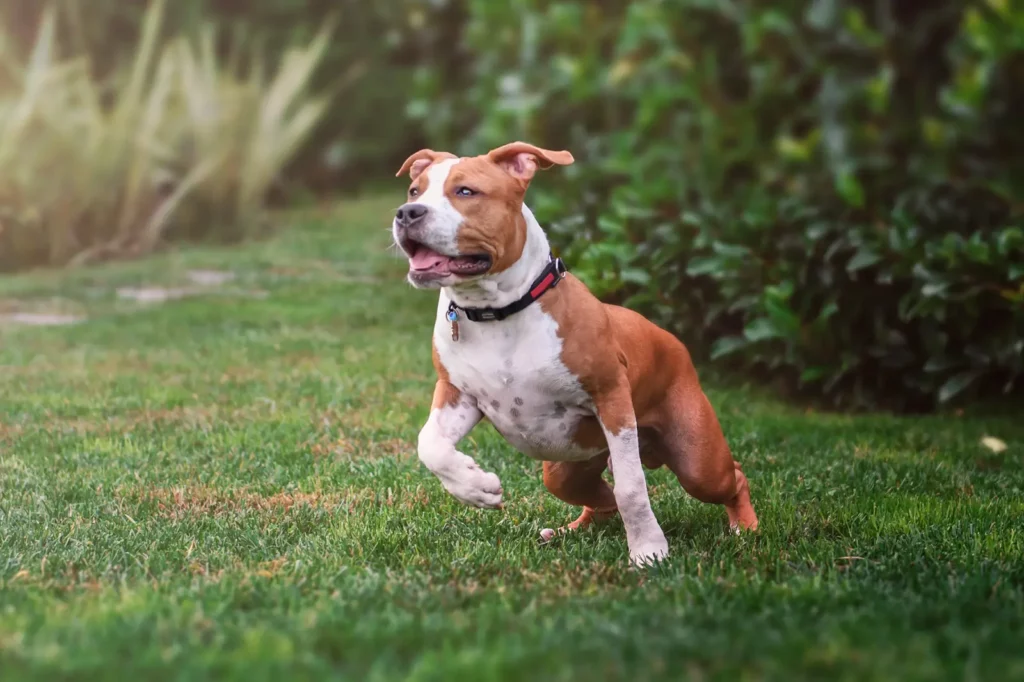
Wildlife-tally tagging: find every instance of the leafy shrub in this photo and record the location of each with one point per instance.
(829, 192)
(181, 142)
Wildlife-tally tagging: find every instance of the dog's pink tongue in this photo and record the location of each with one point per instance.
(427, 259)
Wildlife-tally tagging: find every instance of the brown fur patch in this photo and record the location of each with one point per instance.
(580, 483)
(628, 375)
(445, 395)
(493, 220)
(642, 377)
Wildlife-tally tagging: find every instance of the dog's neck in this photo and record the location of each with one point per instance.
(503, 288)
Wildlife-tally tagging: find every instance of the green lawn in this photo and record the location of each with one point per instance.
(225, 486)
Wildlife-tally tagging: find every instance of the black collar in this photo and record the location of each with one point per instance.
(548, 279)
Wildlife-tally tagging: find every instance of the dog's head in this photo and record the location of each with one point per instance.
(464, 216)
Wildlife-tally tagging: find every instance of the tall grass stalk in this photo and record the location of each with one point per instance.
(181, 141)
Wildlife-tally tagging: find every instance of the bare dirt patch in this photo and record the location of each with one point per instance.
(323, 270)
(200, 283)
(154, 294)
(210, 278)
(47, 312)
(40, 319)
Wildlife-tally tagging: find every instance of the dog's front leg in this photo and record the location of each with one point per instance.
(452, 416)
(644, 536)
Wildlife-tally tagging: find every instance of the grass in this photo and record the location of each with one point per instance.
(225, 487)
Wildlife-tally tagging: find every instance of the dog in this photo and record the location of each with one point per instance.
(566, 379)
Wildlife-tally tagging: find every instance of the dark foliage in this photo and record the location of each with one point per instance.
(828, 192)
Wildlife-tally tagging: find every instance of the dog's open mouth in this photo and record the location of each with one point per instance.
(425, 263)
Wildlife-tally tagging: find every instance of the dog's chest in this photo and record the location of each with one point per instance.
(514, 370)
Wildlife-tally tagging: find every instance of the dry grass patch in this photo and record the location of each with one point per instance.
(70, 577)
(199, 501)
(204, 501)
(196, 417)
(9, 433)
(377, 410)
(345, 447)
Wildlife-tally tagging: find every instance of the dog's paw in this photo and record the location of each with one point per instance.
(471, 485)
(649, 553)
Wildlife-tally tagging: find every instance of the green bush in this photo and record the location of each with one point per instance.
(177, 141)
(828, 192)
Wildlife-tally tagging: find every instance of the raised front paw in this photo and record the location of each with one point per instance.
(473, 486)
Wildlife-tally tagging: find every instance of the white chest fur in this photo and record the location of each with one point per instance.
(513, 368)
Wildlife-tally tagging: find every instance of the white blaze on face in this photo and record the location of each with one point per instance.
(441, 228)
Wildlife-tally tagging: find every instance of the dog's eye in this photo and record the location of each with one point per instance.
(465, 192)
(413, 191)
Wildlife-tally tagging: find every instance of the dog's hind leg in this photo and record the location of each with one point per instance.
(580, 484)
(696, 451)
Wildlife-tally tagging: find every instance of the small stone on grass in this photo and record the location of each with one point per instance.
(994, 444)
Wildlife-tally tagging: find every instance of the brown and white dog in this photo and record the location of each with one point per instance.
(566, 379)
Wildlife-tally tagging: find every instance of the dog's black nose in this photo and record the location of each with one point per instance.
(410, 213)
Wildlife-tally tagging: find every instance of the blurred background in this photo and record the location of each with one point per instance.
(828, 195)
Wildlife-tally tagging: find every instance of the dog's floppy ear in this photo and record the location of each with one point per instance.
(418, 162)
(521, 160)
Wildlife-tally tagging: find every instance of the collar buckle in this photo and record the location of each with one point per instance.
(560, 268)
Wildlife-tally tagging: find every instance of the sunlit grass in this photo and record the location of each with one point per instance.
(225, 487)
